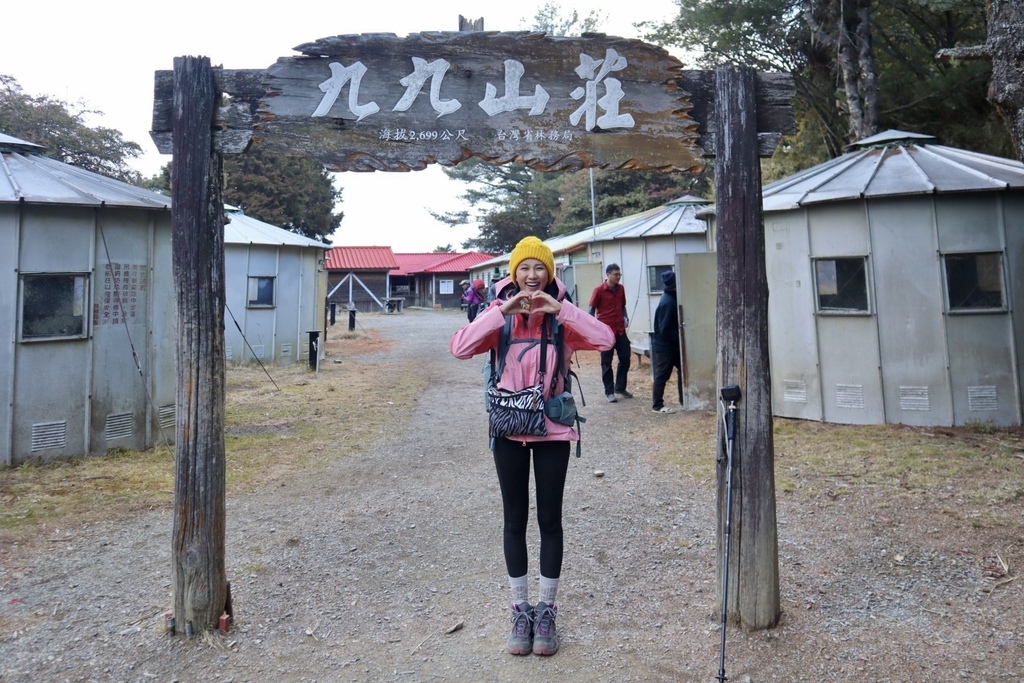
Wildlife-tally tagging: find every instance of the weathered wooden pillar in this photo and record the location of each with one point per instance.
(471, 24)
(742, 330)
(197, 214)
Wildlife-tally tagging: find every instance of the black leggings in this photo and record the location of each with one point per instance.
(550, 464)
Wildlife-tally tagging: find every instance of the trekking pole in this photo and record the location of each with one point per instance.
(730, 394)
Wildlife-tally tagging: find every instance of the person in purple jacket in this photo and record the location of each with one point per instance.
(530, 294)
(472, 298)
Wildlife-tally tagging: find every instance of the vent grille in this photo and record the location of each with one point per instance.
(982, 398)
(227, 351)
(850, 396)
(286, 350)
(120, 426)
(47, 435)
(915, 398)
(168, 416)
(794, 391)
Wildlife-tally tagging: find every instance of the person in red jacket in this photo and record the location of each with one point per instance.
(530, 295)
(608, 303)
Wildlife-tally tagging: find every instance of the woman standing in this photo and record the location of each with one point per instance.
(472, 299)
(529, 296)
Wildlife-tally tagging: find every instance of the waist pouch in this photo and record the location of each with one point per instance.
(516, 413)
(561, 409)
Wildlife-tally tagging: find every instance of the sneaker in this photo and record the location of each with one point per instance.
(520, 641)
(663, 409)
(623, 393)
(545, 638)
(611, 398)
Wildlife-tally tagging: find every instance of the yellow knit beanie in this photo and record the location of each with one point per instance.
(532, 247)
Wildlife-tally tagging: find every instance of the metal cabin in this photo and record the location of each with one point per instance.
(645, 245)
(84, 298)
(894, 271)
(275, 288)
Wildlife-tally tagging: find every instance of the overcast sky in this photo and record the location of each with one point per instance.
(105, 52)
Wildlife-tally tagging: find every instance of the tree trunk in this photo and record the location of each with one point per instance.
(858, 65)
(201, 591)
(1005, 45)
(742, 328)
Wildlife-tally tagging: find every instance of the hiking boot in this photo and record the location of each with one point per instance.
(545, 638)
(611, 398)
(623, 393)
(520, 641)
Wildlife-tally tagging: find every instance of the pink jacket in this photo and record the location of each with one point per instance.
(581, 332)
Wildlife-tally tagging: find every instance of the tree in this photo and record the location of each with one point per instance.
(1004, 47)
(859, 66)
(60, 128)
(293, 193)
(619, 193)
(514, 201)
(844, 26)
(550, 20)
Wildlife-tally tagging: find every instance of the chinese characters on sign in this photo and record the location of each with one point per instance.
(594, 71)
(122, 295)
(379, 102)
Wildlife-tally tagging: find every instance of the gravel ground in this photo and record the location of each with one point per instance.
(388, 567)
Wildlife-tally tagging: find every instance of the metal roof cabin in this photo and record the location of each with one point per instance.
(84, 295)
(644, 246)
(275, 288)
(896, 274)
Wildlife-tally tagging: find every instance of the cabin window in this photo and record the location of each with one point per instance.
(261, 292)
(445, 286)
(842, 285)
(654, 282)
(974, 282)
(54, 305)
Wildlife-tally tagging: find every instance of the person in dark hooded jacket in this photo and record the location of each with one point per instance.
(665, 342)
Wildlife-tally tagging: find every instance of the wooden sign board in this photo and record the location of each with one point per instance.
(378, 102)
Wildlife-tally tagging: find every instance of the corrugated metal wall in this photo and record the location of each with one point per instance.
(277, 333)
(909, 360)
(73, 396)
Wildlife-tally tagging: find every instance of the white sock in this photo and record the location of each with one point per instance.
(520, 589)
(548, 589)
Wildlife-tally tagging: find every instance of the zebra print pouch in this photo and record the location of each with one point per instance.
(516, 413)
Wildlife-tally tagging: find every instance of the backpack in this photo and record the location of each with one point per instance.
(560, 408)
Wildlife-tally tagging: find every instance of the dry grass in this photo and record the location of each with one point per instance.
(308, 420)
(299, 420)
(83, 489)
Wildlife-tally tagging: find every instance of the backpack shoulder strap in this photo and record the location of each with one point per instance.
(498, 358)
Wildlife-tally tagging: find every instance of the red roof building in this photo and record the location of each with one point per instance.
(361, 258)
(432, 279)
(377, 279)
(357, 277)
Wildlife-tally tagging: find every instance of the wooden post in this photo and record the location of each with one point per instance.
(471, 24)
(742, 330)
(201, 592)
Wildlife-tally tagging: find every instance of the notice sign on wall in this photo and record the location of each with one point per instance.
(122, 293)
(379, 102)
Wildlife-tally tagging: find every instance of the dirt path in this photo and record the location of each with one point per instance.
(388, 567)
